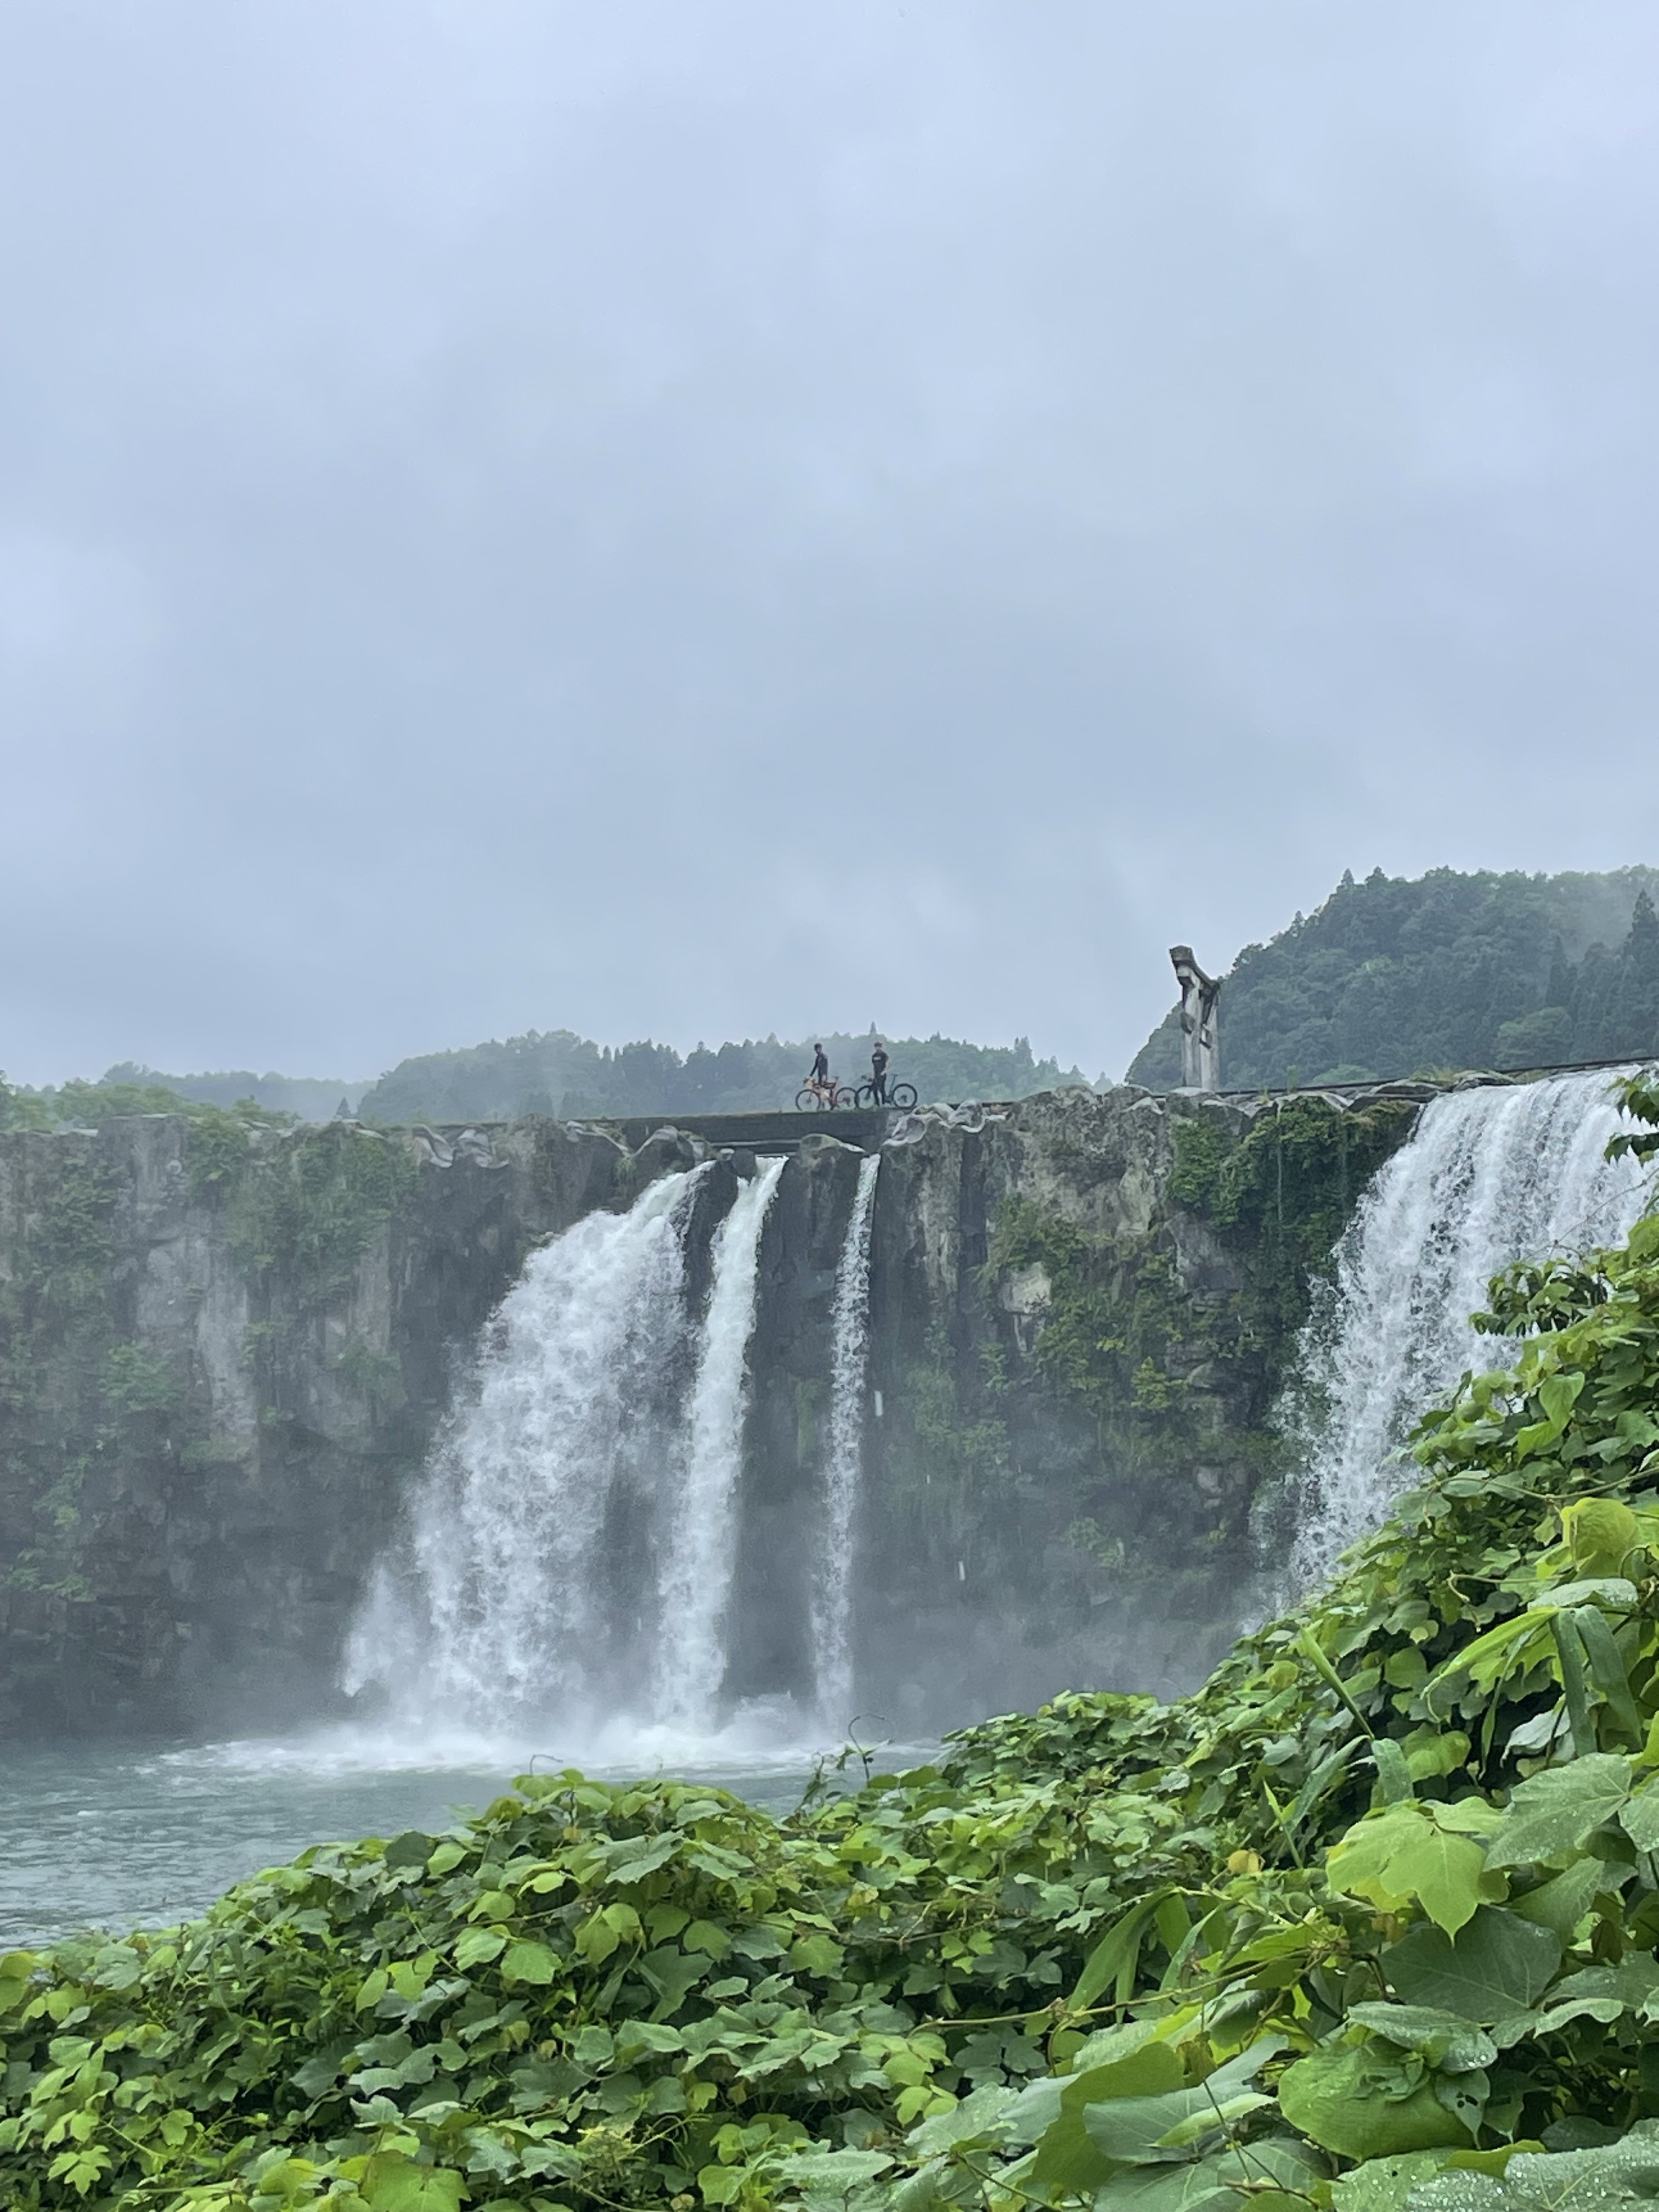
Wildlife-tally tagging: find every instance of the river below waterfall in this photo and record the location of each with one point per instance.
(120, 1836)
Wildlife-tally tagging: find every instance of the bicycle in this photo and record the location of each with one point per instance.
(825, 1098)
(901, 1095)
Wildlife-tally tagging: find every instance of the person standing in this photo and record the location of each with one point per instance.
(878, 1073)
(819, 1078)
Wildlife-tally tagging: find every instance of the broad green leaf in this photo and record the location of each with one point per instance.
(1514, 1644)
(1227, 2181)
(1602, 1992)
(1347, 2102)
(1562, 1902)
(528, 1962)
(1134, 2130)
(1433, 1752)
(1619, 2173)
(1404, 1854)
(704, 1935)
(1112, 1961)
(1639, 1817)
(477, 1947)
(1614, 1591)
(1144, 2068)
(1553, 1812)
(117, 1966)
(979, 2118)
(1607, 1671)
(833, 2172)
(1499, 1965)
(1453, 2044)
(409, 1851)
(394, 2183)
(1387, 2185)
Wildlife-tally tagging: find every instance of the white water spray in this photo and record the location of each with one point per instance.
(1489, 1176)
(697, 1574)
(497, 1611)
(832, 1596)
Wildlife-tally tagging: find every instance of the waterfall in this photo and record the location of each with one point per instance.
(498, 1608)
(697, 1574)
(844, 1459)
(1489, 1175)
(569, 1556)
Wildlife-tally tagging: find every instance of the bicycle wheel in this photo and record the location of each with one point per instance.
(807, 1102)
(865, 1095)
(902, 1094)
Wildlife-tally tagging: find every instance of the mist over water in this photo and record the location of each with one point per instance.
(564, 1587)
(1489, 1176)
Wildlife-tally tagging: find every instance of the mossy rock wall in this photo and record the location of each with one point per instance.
(223, 1350)
(1083, 1310)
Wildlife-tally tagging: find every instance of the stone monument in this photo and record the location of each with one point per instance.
(1200, 1045)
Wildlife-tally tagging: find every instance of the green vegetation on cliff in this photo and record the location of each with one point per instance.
(1368, 1924)
(1391, 978)
(76, 1104)
(1167, 1347)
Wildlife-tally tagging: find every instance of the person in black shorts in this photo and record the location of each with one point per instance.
(878, 1073)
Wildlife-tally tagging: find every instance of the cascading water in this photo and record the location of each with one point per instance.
(1489, 1176)
(498, 1612)
(844, 1462)
(697, 1576)
(570, 1553)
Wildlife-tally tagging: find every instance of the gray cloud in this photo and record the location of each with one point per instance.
(693, 521)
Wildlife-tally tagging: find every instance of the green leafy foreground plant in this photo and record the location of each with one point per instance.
(1369, 1923)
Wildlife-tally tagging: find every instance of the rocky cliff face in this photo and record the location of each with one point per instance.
(224, 1352)
(223, 1355)
(1081, 1308)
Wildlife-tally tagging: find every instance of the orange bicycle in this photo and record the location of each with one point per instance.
(824, 1098)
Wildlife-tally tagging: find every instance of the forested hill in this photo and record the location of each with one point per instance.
(557, 1072)
(1391, 977)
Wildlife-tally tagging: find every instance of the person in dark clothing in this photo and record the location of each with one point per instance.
(878, 1073)
(819, 1078)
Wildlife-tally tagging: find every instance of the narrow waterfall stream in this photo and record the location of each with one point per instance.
(569, 1562)
(832, 1609)
(697, 1576)
(1489, 1176)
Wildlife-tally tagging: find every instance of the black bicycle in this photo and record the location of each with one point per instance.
(901, 1095)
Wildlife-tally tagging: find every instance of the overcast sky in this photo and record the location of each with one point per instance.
(690, 520)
